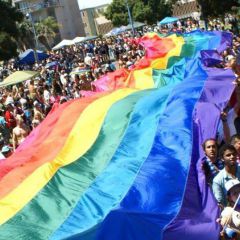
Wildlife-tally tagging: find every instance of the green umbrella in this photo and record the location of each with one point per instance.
(17, 77)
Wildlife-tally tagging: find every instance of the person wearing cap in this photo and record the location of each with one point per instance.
(233, 190)
(230, 216)
(230, 171)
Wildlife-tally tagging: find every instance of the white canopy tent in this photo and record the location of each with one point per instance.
(78, 39)
(63, 43)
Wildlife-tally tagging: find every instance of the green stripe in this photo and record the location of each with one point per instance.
(60, 195)
(173, 74)
(188, 50)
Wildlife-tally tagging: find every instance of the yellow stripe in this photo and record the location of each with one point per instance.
(161, 63)
(143, 78)
(151, 35)
(79, 141)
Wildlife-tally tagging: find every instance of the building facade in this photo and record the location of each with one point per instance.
(187, 9)
(69, 18)
(66, 12)
(94, 21)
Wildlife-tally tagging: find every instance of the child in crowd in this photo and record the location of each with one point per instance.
(230, 216)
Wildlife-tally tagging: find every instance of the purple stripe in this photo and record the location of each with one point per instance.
(211, 57)
(226, 40)
(197, 217)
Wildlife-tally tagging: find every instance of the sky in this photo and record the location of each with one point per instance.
(92, 3)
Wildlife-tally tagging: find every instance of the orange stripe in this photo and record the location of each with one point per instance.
(42, 155)
(42, 133)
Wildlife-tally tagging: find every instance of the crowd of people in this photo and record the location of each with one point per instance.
(72, 69)
(221, 163)
(62, 77)
(189, 25)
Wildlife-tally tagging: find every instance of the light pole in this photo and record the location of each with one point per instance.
(238, 16)
(29, 16)
(130, 17)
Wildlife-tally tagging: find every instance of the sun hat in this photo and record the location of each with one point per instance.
(231, 183)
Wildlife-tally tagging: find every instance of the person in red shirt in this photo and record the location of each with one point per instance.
(9, 117)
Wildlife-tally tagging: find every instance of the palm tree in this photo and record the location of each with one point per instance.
(47, 30)
(26, 37)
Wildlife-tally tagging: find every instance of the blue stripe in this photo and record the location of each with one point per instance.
(156, 195)
(112, 185)
(89, 212)
(203, 40)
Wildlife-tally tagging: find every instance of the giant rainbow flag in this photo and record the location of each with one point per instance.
(124, 163)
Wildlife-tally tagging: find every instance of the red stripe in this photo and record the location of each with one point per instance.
(15, 169)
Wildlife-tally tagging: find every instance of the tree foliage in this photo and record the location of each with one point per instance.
(26, 37)
(117, 13)
(215, 8)
(17, 32)
(47, 30)
(9, 16)
(149, 11)
(8, 47)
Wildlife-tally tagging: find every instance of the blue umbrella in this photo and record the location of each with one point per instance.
(27, 57)
(51, 64)
(122, 29)
(115, 31)
(167, 20)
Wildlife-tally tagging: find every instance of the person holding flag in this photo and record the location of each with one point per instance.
(230, 216)
(231, 171)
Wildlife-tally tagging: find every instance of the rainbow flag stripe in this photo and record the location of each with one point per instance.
(122, 163)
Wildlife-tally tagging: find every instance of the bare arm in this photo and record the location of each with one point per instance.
(15, 141)
(226, 129)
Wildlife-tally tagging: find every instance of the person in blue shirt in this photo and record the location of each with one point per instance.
(231, 171)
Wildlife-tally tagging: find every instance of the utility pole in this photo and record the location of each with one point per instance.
(130, 17)
(238, 16)
(29, 17)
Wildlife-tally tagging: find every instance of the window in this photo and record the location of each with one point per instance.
(23, 5)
